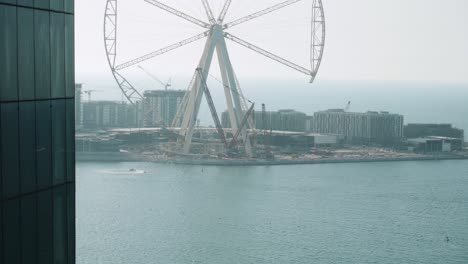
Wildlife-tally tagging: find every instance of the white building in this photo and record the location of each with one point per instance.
(363, 128)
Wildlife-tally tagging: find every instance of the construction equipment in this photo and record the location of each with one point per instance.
(211, 105)
(152, 76)
(266, 136)
(216, 32)
(348, 106)
(90, 92)
(239, 130)
(150, 107)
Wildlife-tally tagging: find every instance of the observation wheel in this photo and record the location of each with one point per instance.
(216, 31)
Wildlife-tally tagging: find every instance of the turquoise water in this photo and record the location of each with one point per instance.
(405, 212)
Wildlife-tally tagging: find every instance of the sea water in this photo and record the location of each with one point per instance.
(391, 212)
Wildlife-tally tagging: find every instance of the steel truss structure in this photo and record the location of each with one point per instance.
(215, 31)
(110, 43)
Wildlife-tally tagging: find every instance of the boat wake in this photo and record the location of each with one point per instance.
(124, 172)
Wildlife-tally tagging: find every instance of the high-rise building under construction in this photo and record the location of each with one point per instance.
(160, 107)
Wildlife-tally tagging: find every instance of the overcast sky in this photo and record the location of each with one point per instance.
(366, 39)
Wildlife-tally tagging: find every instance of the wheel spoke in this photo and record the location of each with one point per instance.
(260, 13)
(178, 13)
(161, 51)
(209, 12)
(268, 54)
(223, 13)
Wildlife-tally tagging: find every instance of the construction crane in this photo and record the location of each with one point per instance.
(150, 111)
(165, 85)
(90, 92)
(348, 106)
(239, 130)
(211, 105)
(266, 137)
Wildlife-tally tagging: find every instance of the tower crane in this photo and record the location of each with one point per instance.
(348, 106)
(90, 92)
(166, 85)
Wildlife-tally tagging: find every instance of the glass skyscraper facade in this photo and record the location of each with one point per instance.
(37, 128)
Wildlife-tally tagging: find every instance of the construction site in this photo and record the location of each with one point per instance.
(164, 125)
(170, 118)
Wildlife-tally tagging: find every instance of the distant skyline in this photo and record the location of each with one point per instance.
(418, 40)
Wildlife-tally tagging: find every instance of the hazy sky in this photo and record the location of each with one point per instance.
(366, 39)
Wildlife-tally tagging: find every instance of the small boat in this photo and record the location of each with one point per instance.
(125, 172)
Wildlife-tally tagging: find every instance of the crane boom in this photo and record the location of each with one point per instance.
(211, 105)
(161, 51)
(166, 85)
(178, 13)
(260, 13)
(268, 54)
(241, 126)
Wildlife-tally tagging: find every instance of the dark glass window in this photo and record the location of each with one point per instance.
(1, 169)
(45, 228)
(70, 140)
(27, 146)
(43, 144)
(57, 44)
(26, 2)
(56, 5)
(1, 231)
(9, 140)
(8, 54)
(29, 229)
(8, 1)
(11, 231)
(42, 53)
(69, 56)
(71, 222)
(69, 6)
(60, 225)
(25, 53)
(42, 4)
(59, 141)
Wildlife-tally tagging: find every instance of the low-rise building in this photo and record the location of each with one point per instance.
(297, 140)
(320, 140)
(436, 144)
(426, 130)
(282, 120)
